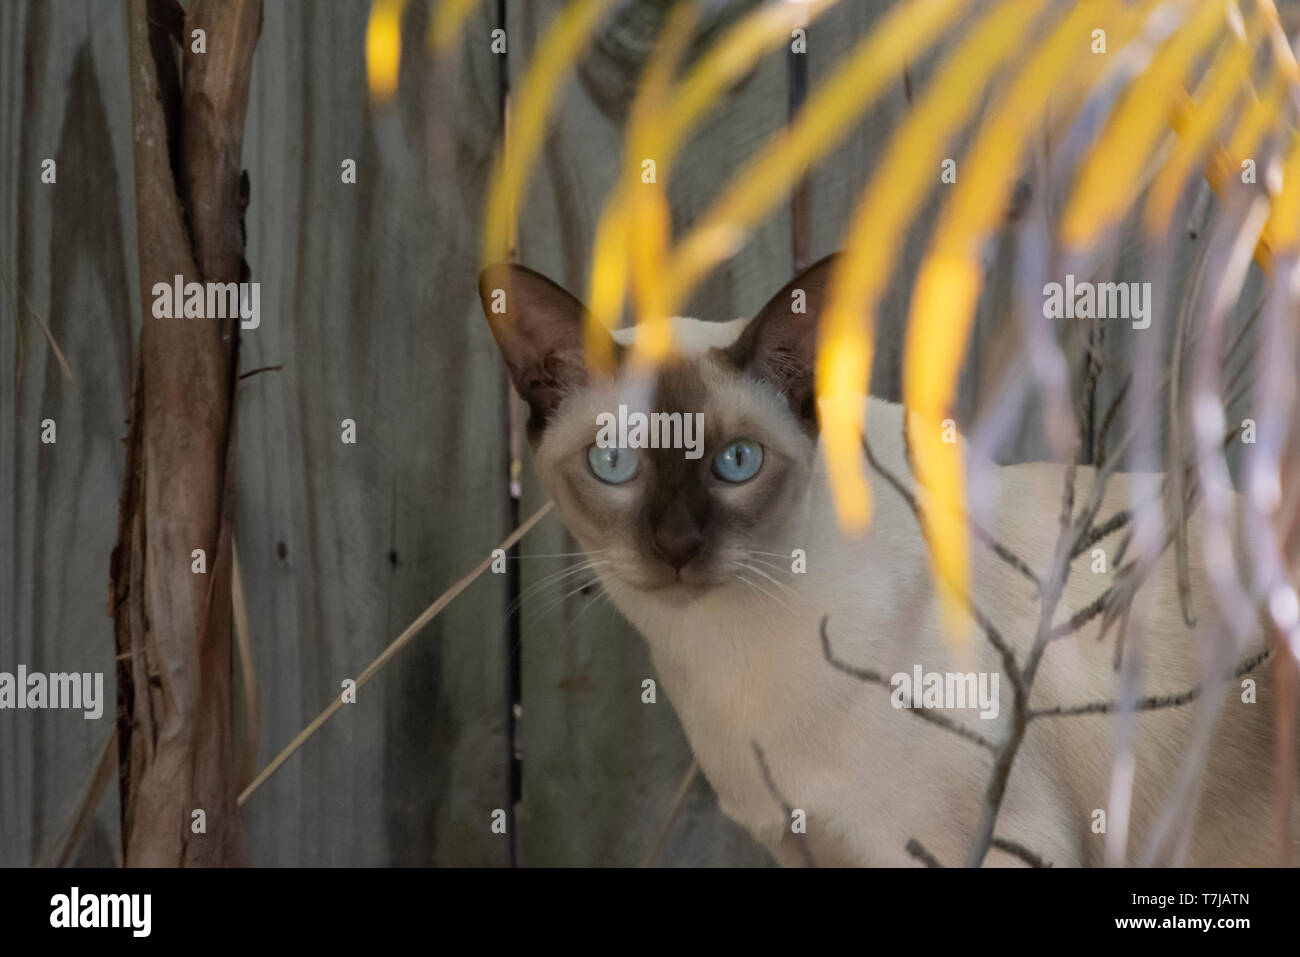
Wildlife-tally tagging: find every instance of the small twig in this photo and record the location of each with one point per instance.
(1007, 555)
(1051, 595)
(1020, 851)
(862, 674)
(1098, 532)
(1153, 702)
(1088, 612)
(917, 850)
(1096, 336)
(1106, 423)
(1122, 588)
(397, 644)
(1020, 682)
(874, 677)
(253, 372)
(59, 852)
(1000, 550)
(1107, 463)
(786, 806)
(1192, 487)
(990, 630)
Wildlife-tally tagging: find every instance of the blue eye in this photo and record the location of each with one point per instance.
(739, 461)
(612, 466)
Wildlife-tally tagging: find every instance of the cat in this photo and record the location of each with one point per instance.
(703, 557)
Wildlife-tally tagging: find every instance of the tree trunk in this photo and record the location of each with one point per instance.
(172, 625)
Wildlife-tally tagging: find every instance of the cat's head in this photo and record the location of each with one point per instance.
(675, 520)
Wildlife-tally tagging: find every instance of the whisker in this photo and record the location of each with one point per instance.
(594, 598)
(770, 564)
(599, 551)
(562, 579)
(758, 571)
(554, 578)
(767, 594)
(576, 566)
(563, 598)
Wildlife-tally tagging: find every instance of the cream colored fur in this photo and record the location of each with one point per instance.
(742, 667)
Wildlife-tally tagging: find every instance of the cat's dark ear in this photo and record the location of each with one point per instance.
(538, 327)
(779, 345)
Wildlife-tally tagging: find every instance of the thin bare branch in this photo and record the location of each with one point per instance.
(983, 536)
(253, 372)
(1006, 554)
(1020, 851)
(917, 850)
(786, 806)
(875, 677)
(1153, 702)
(1099, 532)
(1050, 596)
(985, 624)
(1099, 457)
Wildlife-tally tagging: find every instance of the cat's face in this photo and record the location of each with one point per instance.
(735, 413)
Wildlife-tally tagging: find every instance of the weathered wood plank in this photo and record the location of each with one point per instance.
(600, 768)
(370, 305)
(67, 252)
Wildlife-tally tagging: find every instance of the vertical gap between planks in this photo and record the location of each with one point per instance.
(797, 89)
(513, 633)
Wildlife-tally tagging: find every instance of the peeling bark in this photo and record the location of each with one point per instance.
(172, 627)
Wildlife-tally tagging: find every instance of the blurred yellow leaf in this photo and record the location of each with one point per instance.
(909, 169)
(904, 31)
(1258, 118)
(755, 35)
(731, 57)
(530, 116)
(648, 219)
(1285, 214)
(947, 288)
(949, 279)
(447, 22)
(608, 285)
(1225, 81)
(1111, 178)
(384, 48)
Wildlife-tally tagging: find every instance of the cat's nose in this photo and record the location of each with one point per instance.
(677, 547)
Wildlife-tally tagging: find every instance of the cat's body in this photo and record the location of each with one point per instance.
(735, 632)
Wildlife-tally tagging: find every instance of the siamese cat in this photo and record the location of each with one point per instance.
(728, 562)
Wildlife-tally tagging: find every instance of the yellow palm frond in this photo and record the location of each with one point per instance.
(904, 32)
(908, 170)
(530, 117)
(1017, 70)
(384, 48)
